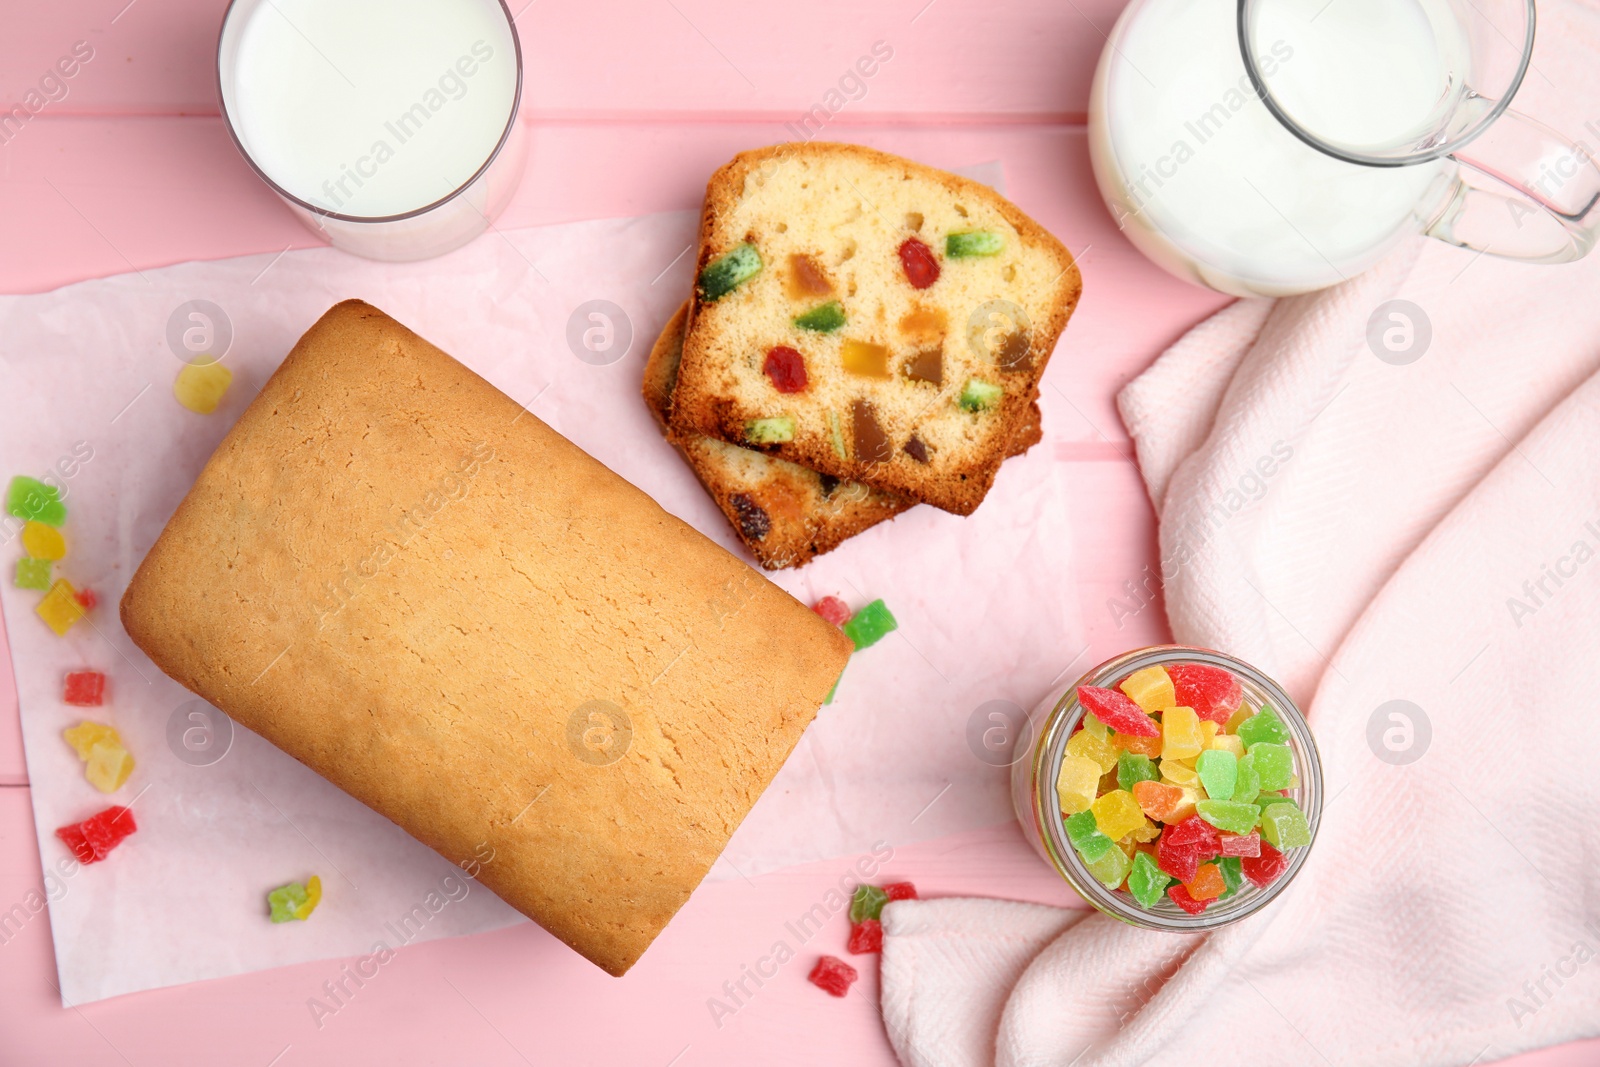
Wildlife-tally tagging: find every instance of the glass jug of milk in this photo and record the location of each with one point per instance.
(1270, 147)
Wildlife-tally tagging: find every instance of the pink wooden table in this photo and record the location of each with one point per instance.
(630, 106)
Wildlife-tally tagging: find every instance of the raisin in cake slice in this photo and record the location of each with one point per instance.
(784, 513)
(870, 318)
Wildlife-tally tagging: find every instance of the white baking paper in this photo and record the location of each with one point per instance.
(985, 603)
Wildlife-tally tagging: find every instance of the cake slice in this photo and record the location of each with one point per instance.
(784, 513)
(871, 318)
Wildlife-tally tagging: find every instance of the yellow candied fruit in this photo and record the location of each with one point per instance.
(1095, 728)
(313, 898)
(1232, 725)
(1101, 752)
(201, 386)
(87, 734)
(108, 767)
(1180, 734)
(1175, 773)
(1077, 783)
(1148, 832)
(1227, 743)
(1150, 688)
(1117, 814)
(865, 358)
(59, 608)
(43, 542)
(1208, 730)
(1186, 806)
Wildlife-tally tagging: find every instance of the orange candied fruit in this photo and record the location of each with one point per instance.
(1207, 883)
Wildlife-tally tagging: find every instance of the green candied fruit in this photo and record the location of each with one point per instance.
(774, 431)
(1232, 875)
(29, 498)
(1263, 727)
(836, 434)
(973, 243)
(1219, 773)
(1248, 784)
(1132, 768)
(1284, 826)
(1147, 882)
(1266, 801)
(824, 318)
(870, 625)
(33, 573)
(729, 271)
(834, 691)
(1110, 870)
(979, 395)
(1228, 815)
(1274, 763)
(867, 903)
(1085, 835)
(285, 900)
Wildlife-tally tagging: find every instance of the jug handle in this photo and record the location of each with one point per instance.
(1523, 191)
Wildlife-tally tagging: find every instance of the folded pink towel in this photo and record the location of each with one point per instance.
(1368, 530)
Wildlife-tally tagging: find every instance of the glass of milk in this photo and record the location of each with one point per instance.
(1270, 147)
(389, 126)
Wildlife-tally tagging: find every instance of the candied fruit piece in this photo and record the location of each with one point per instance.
(108, 767)
(1284, 826)
(1117, 814)
(1092, 726)
(1149, 687)
(1264, 869)
(918, 261)
(1232, 875)
(1226, 743)
(1117, 711)
(925, 366)
(833, 609)
(84, 689)
(979, 395)
(832, 975)
(864, 358)
(1180, 861)
(1239, 845)
(1144, 746)
(1263, 726)
(1084, 833)
(1180, 734)
(1146, 832)
(313, 898)
(93, 839)
(728, 271)
(1178, 774)
(1077, 784)
(900, 891)
(1181, 897)
(870, 625)
(1219, 773)
(1156, 799)
(59, 608)
(806, 278)
(973, 243)
(30, 499)
(84, 736)
(1146, 881)
(32, 573)
(86, 599)
(1213, 692)
(872, 444)
(200, 386)
(1207, 883)
(1198, 833)
(1086, 745)
(824, 318)
(285, 900)
(1274, 764)
(865, 936)
(1133, 768)
(867, 903)
(786, 368)
(1229, 815)
(771, 431)
(1248, 785)
(43, 542)
(1110, 869)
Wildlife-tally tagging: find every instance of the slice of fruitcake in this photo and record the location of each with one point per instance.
(784, 513)
(871, 318)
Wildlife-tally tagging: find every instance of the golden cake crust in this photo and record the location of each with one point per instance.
(398, 576)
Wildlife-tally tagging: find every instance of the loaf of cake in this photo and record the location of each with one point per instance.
(407, 582)
(785, 514)
(870, 318)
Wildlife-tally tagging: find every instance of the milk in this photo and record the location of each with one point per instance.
(1212, 186)
(372, 108)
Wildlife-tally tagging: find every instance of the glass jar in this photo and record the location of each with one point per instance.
(1033, 789)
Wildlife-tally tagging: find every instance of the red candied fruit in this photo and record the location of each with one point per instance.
(1242, 844)
(1117, 711)
(1194, 832)
(866, 936)
(901, 891)
(93, 839)
(84, 689)
(833, 609)
(86, 599)
(832, 975)
(1264, 869)
(1180, 896)
(1180, 861)
(922, 270)
(786, 368)
(1213, 692)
